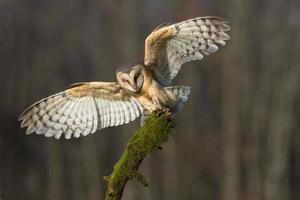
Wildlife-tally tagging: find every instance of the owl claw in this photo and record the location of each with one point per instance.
(161, 111)
(167, 112)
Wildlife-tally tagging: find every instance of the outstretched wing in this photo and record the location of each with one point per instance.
(81, 110)
(168, 47)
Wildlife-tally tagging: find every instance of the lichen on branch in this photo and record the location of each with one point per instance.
(145, 140)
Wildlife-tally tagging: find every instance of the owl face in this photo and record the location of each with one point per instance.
(131, 77)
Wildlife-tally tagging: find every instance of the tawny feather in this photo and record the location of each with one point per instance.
(80, 110)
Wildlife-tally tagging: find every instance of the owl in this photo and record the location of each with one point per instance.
(140, 88)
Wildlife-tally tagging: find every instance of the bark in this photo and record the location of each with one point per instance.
(147, 139)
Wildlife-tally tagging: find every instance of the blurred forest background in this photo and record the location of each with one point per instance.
(237, 137)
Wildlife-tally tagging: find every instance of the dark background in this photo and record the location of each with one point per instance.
(237, 137)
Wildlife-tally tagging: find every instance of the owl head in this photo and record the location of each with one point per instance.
(131, 77)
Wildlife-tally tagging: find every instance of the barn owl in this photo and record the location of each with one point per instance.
(140, 88)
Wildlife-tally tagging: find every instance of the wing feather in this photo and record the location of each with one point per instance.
(167, 48)
(96, 113)
(81, 110)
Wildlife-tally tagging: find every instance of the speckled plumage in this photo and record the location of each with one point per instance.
(169, 47)
(89, 106)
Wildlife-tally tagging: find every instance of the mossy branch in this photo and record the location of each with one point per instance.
(146, 139)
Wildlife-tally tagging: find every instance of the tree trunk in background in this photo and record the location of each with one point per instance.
(285, 80)
(232, 86)
(271, 85)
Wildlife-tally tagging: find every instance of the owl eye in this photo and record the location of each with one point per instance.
(136, 77)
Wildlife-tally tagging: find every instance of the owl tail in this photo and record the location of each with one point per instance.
(181, 94)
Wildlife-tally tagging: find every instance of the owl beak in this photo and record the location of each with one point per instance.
(135, 82)
(132, 83)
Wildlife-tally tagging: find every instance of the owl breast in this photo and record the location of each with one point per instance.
(154, 96)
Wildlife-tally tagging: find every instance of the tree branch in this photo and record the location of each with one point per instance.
(146, 139)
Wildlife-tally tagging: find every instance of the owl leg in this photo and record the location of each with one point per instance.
(152, 104)
(159, 108)
(157, 103)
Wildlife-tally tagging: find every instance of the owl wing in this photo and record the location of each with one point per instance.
(170, 46)
(81, 110)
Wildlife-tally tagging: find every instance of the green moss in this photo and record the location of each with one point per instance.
(146, 139)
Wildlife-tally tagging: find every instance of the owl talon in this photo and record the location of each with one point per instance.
(161, 111)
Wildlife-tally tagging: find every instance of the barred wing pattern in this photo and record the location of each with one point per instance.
(81, 110)
(168, 47)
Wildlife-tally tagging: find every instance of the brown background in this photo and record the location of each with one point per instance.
(236, 139)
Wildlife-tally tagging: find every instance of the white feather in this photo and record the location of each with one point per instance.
(41, 130)
(85, 116)
(73, 111)
(50, 132)
(77, 133)
(127, 112)
(198, 55)
(102, 110)
(45, 117)
(204, 28)
(122, 112)
(57, 125)
(112, 114)
(132, 112)
(106, 113)
(118, 113)
(80, 106)
(206, 35)
(212, 48)
(95, 116)
(69, 133)
(88, 113)
(58, 134)
(63, 108)
(135, 108)
(55, 117)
